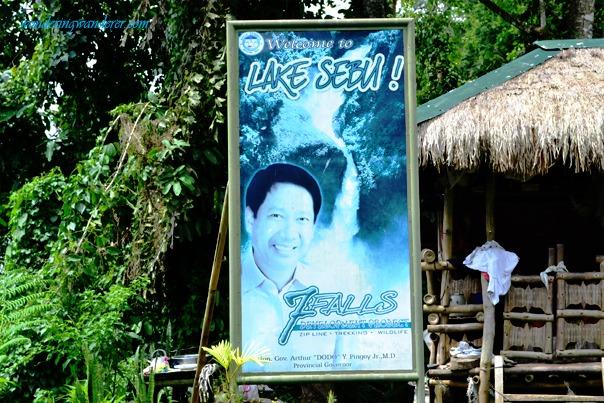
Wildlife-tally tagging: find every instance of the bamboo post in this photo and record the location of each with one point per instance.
(479, 317)
(488, 333)
(447, 253)
(602, 363)
(466, 308)
(437, 266)
(439, 391)
(428, 256)
(432, 348)
(551, 257)
(433, 318)
(600, 262)
(211, 300)
(490, 207)
(559, 253)
(454, 328)
(499, 392)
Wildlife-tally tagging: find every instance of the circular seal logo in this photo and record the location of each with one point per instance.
(251, 43)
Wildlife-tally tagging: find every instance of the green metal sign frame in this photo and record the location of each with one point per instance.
(324, 252)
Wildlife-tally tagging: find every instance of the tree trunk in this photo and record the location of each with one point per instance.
(582, 18)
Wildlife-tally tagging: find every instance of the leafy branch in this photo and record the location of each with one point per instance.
(231, 362)
(117, 171)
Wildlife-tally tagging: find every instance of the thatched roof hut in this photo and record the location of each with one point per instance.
(543, 108)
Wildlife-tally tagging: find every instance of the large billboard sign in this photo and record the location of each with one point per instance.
(323, 198)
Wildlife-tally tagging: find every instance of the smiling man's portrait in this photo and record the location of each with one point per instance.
(281, 207)
(282, 203)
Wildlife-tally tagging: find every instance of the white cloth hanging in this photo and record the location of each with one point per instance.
(491, 258)
(559, 268)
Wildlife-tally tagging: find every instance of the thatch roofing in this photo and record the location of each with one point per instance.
(552, 110)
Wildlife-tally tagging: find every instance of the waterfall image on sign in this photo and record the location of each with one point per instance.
(353, 141)
(337, 246)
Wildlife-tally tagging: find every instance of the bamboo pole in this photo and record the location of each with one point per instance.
(439, 392)
(469, 308)
(437, 266)
(432, 349)
(429, 299)
(596, 275)
(579, 353)
(488, 333)
(433, 318)
(559, 368)
(455, 328)
(490, 207)
(531, 279)
(530, 317)
(428, 256)
(533, 355)
(499, 384)
(479, 316)
(463, 384)
(580, 313)
(559, 253)
(551, 257)
(450, 374)
(552, 398)
(447, 253)
(211, 300)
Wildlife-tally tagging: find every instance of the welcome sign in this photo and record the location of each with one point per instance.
(323, 211)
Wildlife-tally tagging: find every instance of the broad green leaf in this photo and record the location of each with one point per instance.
(210, 156)
(5, 115)
(113, 251)
(177, 188)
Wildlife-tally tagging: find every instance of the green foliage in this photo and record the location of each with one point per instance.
(43, 341)
(33, 220)
(459, 40)
(97, 387)
(50, 103)
(144, 389)
(24, 303)
(87, 244)
(438, 48)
